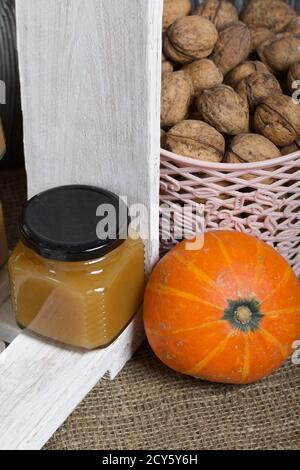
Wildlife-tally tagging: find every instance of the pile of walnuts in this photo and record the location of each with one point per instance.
(228, 80)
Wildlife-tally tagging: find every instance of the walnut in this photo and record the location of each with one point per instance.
(243, 70)
(294, 26)
(294, 147)
(204, 74)
(248, 148)
(196, 139)
(219, 12)
(278, 119)
(281, 51)
(166, 65)
(190, 38)
(257, 87)
(233, 46)
(177, 92)
(293, 76)
(275, 15)
(174, 9)
(258, 36)
(224, 109)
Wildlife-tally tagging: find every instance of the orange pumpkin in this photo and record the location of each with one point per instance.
(228, 312)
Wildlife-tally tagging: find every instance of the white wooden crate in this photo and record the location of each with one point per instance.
(90, 82)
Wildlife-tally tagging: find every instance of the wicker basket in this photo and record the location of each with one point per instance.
(266, 206)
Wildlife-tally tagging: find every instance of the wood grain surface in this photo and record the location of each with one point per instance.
(90, 83)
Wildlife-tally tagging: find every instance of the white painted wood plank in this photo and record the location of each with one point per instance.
(90, 80)
(42, 383)
(90, 75)
(9, 329)
(4, 285)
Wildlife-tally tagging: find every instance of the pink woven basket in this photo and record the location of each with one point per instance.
(266, 206)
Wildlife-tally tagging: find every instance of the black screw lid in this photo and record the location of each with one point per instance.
(61, 223)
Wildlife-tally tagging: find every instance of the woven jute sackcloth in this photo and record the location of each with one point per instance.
(150, 407)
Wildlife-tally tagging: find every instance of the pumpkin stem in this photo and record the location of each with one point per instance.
(243, 315)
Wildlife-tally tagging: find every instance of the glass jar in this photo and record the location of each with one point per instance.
(67, 283)
(3, 240)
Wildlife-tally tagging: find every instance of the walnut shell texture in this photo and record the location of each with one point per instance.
(275, 15)
(278, 119)
(219, 12)
(294, 147)
(224, 109)
(294, 26)
(257, 87)
(174, 9)
(243, 70)
(258, 36)
(177, 92)
(249, 148)
(190, 38)
(281, 51)
(293, 75)
(204, 74)
(233, 46)
(196, 139)
(166, 66)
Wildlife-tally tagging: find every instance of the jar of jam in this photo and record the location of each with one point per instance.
(3, 241)
(76, 275)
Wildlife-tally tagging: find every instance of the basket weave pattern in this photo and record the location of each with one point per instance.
(266, 205)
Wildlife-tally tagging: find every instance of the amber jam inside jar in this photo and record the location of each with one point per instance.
(3, 241)
(67, 283)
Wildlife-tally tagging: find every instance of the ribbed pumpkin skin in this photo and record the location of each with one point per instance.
(193, 316)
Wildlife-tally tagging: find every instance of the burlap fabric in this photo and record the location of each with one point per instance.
(150, 407)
